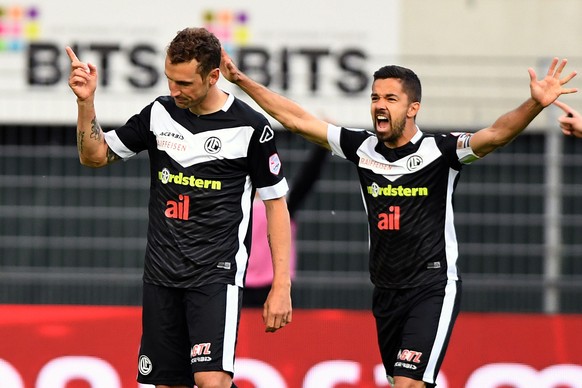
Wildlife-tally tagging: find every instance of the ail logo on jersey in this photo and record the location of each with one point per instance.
(200, 353)
(179, 209)
(274, 164)
(268, 134)
(390, 220)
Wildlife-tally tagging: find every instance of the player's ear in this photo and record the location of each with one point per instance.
(413, 109)
(213, 76)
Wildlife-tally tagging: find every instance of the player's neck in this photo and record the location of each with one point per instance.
(404, 138)
(214, 101)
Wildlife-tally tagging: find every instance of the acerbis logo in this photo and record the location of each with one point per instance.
(18, 26)
(212, 145)
(267, 134)
(145, 365)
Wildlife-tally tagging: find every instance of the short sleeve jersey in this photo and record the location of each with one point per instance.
(204, 173)
(407, 193)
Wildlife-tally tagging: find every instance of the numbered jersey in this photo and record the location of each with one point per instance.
(407, 193)
(204, 173)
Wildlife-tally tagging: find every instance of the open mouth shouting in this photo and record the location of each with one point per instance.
(382, 121)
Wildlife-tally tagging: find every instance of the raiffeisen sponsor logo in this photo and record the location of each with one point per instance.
(180, 179)
(376, 190)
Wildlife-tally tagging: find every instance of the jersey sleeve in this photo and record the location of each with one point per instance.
(457, 150)
(132, 137)
(265, 166)
(465, 153)
(344, 142)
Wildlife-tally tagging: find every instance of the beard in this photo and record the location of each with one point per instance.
(395, 132)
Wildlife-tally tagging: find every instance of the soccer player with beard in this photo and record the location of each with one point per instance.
(209, 153)
(407, 179)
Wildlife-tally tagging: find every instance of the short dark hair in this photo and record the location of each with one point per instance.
(410, 81)
(196, 43)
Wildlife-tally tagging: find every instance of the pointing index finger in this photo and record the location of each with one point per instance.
(74, 59)
(71, 54)
(566, 108)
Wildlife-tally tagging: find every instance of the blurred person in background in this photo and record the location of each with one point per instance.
(209, 153)
(260, 271)
(407, 181)
(571, 121)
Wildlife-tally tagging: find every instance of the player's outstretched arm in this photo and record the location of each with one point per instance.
(277, 311)
(543, 93)
(570, 121)
(93, 150)
(287, 112)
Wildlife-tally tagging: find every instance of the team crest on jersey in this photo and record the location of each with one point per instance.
(413, 162)
(212, 145)
(274, 164)
(267, 134)
(145, 365)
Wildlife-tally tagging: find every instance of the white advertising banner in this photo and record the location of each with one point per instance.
(321, 54)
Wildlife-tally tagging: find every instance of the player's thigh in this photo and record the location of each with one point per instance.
(427, 330)
(164, 356)
(389, 308)
(213, 315)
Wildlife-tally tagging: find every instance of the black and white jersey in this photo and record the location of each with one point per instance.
(407, 193)
(204, 173)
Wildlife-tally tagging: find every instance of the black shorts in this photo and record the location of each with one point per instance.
(187, 331)
(414, 327)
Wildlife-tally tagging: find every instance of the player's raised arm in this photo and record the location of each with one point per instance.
(292, 116)
(570, 121)
(543, 93)
(93, 150)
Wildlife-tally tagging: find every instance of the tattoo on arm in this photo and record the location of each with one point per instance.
(96, 132)
(95, 135)
(80, 136)
(111, 156)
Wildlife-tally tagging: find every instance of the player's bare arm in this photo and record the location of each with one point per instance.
(543, 93)
(277, 310)
(292, 116)
(91, 145)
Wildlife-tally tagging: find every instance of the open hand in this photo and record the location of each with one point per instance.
(548, 89)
